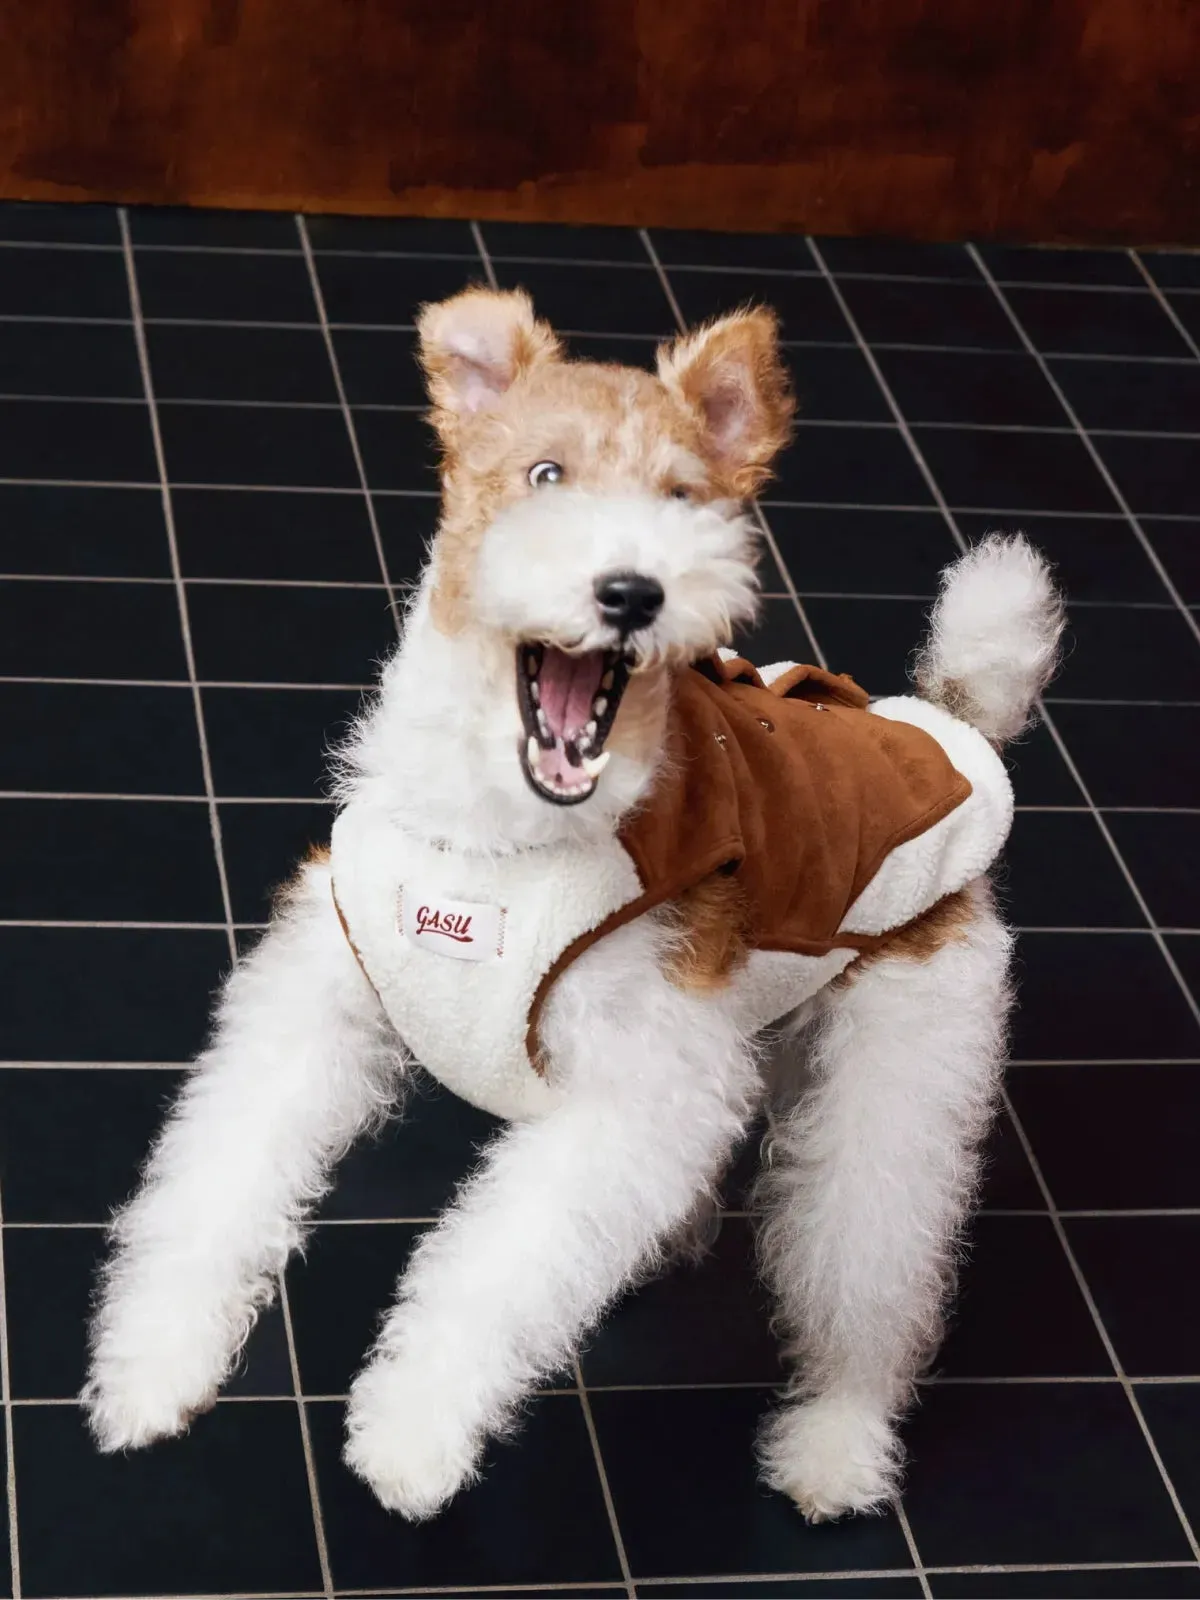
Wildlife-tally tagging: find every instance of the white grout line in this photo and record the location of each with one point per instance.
(598, 1458)
(1102, 1331)
(351, 430)
(1156, 290)
(1085, 439)
(139, 333)
(310, 1465)
(14, 1540)
(914, 1553)
(484, 256)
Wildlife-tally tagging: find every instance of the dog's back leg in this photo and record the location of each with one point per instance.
(870, 1176)
(300, 1061)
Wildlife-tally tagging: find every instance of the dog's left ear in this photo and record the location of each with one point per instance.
(729, 373)
(474, 346)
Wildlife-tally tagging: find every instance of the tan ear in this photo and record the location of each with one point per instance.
(474, 345)
(729, 373)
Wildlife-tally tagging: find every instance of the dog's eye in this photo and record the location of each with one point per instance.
(545, 473)
(680, 492)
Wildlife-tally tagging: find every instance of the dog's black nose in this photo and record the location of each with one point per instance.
(629, 600)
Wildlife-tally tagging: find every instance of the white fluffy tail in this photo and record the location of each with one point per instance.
(994, 637)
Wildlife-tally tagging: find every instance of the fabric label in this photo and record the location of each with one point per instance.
(460, 929)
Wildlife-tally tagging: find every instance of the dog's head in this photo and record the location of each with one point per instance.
(594, 519)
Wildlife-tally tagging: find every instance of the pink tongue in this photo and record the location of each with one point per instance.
(568, 685)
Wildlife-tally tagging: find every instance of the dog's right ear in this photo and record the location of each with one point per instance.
(474, 346)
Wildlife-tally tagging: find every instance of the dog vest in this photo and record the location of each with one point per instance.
(842, 820)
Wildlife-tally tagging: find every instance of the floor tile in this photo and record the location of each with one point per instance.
(1163, 853)
(850, 466)
(537, 1516)
(281, 534)
(1185, 950)
(1173, 269)
(1117, 323)
(93, 739)
(872, 640)
(5, 1547)
(806, 307)
(950, 386)
(70, 529)
(76, 439)
(224, 363)
(257, 444)
(837, 550)
(681, 1468)
(389, 290)
(898, 258)
(1187, 308)
(50, 224)
(1039, 774)
(836, 385)
(108, 860)
(1147, 1303)
(778, 635)
(1035, 264)
(273, 742)
(225, 1509)
(1139, 395)
(339, 1292)
(412, 1167)
(695, 1324)
(225, 288)
(181, 226)
(895, 312)
(427, 235)
(1112, 1137)
(263, 846)
(398, 450)
(633, 350)
(1172, 1411)
(112, 994)
(1094, 558)
(63, 283)
(679, 247)
(257, 633)
(1060, 976)
(69, 358)
(50, 1274)
(1177, 545)
(62, 629)
(406, 525)
(1088, 1583)
(1116, 652)
(1035, 1473)
(1008, 1183)
(554, 241)
(1018, 1312)
(793, 1588)
(1014, 471)
(379, 366)
(74, 1139)
(1060, 873)
(1135, 755)
(1158, 476)
(592, 299)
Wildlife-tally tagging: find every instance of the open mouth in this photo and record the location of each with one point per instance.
(568, 706)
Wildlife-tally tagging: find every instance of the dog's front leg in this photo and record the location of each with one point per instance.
(562, 1214)
(300, 1061)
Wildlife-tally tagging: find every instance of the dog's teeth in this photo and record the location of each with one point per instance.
(531, 665)
(609, 678)
(599, 706)
(596, 765)
(590, 730)
(533, 753)
(543, 724)
(535, 693)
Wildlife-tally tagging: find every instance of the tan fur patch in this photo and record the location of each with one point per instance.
(712, 921)
(921, 939)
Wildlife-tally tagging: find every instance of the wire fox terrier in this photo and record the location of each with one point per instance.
(613, 884)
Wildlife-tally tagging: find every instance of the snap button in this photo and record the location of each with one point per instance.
(720, 738)
(765, 722)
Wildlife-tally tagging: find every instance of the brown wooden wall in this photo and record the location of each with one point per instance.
(1045, 119)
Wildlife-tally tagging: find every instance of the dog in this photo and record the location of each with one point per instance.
(584, 858)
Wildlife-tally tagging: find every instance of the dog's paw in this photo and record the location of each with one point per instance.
(831, 1455)
(130, 1405)
(406, 1441)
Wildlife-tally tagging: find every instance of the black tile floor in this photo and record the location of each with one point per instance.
(213, 484)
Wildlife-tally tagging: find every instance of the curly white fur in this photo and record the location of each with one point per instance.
(994, 637)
